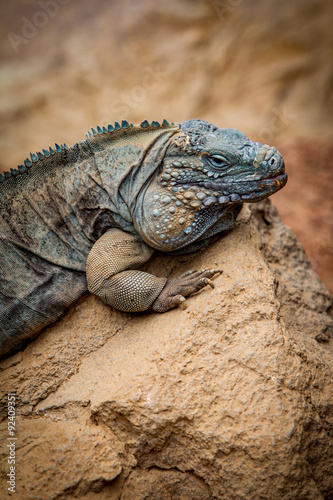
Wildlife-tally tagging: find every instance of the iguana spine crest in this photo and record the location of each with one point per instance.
(110, 129)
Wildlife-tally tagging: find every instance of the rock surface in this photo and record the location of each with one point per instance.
(230, 398)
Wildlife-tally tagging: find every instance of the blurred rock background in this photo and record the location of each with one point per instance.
(262, 66)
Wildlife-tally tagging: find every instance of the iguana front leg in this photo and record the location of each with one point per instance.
(111, 275)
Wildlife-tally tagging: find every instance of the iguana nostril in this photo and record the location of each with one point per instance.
(275, 161)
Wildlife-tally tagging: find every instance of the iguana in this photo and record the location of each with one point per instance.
(86, 217)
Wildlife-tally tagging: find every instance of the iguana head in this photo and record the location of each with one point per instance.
(206, 174)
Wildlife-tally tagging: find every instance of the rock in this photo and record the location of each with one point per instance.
(306, 308)
(230, 398)
(306, 204)
(155, 484)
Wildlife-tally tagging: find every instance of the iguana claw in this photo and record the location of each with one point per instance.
(177, 289)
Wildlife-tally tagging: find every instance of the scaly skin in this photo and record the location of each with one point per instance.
(88, 216)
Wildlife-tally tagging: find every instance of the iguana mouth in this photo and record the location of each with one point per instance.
(273, 175)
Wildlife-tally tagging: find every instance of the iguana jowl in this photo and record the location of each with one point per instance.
(86, 217)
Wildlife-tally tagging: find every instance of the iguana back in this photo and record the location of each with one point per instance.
(53, 209)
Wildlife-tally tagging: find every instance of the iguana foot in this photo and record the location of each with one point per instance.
(175, 290)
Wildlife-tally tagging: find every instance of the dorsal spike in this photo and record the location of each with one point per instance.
(46, 153)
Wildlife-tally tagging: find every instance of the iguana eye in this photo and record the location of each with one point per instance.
(217, 160)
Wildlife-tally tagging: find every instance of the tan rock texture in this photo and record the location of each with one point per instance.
(230, 398)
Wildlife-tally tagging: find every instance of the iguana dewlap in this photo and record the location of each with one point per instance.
(86, 217)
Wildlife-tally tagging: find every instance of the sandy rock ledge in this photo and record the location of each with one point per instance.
(230, 398)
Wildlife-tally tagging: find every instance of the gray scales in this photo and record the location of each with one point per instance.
(86, 217)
